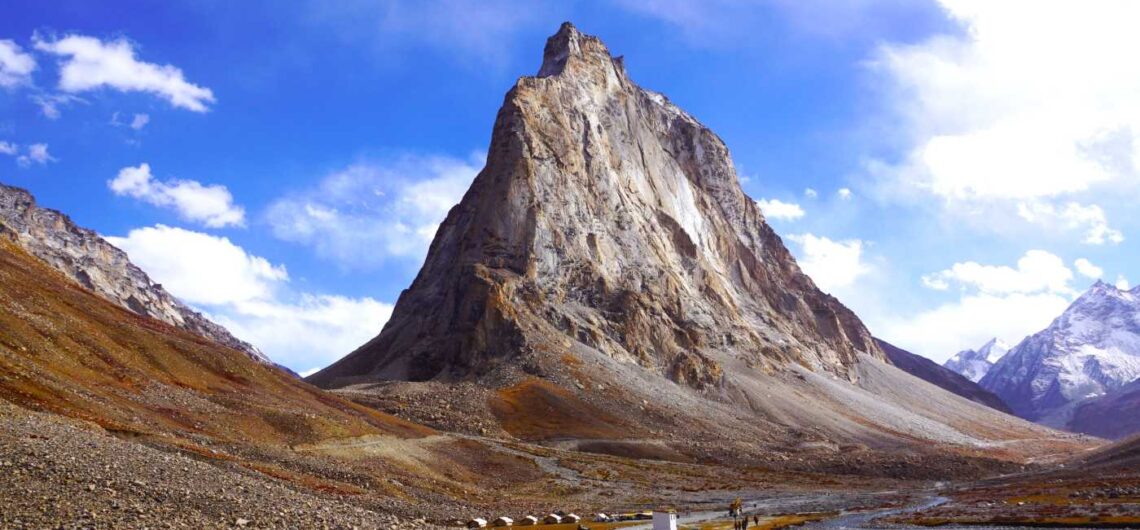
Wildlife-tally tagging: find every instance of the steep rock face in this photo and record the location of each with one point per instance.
(973, 364)
(1092, 349)
(941, 377)
(609, 218)
(83, 256)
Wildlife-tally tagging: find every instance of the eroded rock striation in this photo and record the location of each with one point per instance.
(605, 217)
(90, 260)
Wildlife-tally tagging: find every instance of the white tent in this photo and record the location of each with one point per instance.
(601, 518)
(570, 518)
(477, 522)
(503, 521)
(551, 519)
(528, 520)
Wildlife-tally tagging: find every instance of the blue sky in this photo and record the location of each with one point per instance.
(952, 170)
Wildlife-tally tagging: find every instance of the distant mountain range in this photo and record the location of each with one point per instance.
(1080, 373)
(973, 364)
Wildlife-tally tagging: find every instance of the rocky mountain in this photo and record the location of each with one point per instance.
(1114, 415)
(941, 376)
(606, 285)
(1091, 350)
(90, 260)
(973, 364)
(608, 217)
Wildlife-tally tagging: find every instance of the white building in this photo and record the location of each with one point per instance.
(664, 521)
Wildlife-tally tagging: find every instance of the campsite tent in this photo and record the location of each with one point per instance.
(551, 519)
(528, 520)
(477, 522)
(570, 518)
(503, 521)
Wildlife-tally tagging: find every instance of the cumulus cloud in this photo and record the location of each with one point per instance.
(831, 264)
(1037, 271)
(368, 213)
(252, 297)
(844, 193)
(777, 209)
(88, 63)
(810, 193)
(1121, 282)
(972, 320)
(34, 154)
(16, 66)
(1090, 219)
(1087, 269)
(210, 205)
(1016, 109)
(7, 148)
(994, 301)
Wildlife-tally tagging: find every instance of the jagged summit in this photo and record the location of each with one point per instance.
(571, 48)
(973, 364)
(91, 261)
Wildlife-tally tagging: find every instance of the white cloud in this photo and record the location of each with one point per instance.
(15, 66)
(368, 213)
(831, 264)
(971, 320)
(1037, 271)
(810, 193)
(777, 209)
(994, 301)
(211, 205)
(7, 148)
(208, 270)
(1030, 103)
(1087, 269)
(251, 296)
(35, 154)
(1089, 218)
(1121, 282)
(89, 64)
(140, 121)
(50, 104)
(844, 193)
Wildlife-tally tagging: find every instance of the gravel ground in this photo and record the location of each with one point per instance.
(59, 474)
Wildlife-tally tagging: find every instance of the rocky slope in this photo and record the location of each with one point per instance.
(1091, 350)
(942, 377)
(605, 284)
(83, 256)
(974, 364)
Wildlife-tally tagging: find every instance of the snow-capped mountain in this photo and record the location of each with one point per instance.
(1093, 348)
(973, 364)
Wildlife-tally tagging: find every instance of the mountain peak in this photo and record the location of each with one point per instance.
(608, 224)
(569, 46)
